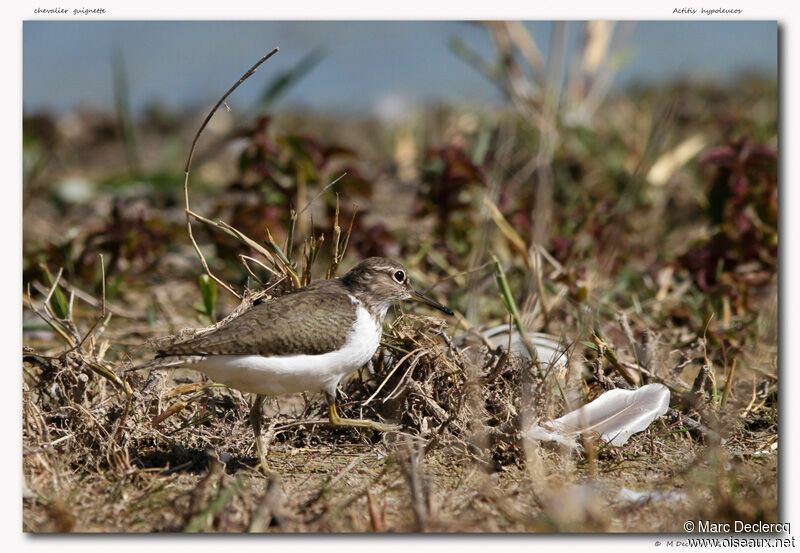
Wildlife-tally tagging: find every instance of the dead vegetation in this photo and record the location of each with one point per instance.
(161, 452)
(638, 290)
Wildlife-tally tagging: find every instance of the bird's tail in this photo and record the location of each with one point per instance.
(163, 363)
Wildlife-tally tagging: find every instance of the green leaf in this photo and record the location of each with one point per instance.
(208, 289)
(481, 147)
(511, 306)
(58, 301)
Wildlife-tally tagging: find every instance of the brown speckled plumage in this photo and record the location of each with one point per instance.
(314, 320)
(281, 326)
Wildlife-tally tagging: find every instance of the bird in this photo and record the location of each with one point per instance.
(303, 341)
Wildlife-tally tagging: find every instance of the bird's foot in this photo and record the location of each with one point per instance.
(336, 420)
(261, 449)
(365, 423)
(262, 466)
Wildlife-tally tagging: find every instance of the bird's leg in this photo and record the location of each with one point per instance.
(336, 420)
(256, 413)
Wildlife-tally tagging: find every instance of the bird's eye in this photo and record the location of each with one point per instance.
(400, 276)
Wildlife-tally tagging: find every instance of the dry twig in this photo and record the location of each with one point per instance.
(189, 213)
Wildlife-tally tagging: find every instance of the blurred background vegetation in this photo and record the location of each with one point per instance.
(627, 193)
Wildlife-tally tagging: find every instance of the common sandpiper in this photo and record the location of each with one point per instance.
(306, 340)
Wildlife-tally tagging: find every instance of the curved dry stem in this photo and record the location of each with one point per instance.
(189, 213)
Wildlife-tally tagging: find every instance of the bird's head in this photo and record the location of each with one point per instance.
(383, 282)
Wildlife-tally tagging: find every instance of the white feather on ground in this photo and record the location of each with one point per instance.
(549, 349)
(615, 416)
(627, 495)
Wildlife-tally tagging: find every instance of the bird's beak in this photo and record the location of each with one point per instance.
(425, 299)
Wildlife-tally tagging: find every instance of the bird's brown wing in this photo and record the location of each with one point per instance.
(297, 323)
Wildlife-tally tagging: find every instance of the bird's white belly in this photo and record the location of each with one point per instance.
(296, 373)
